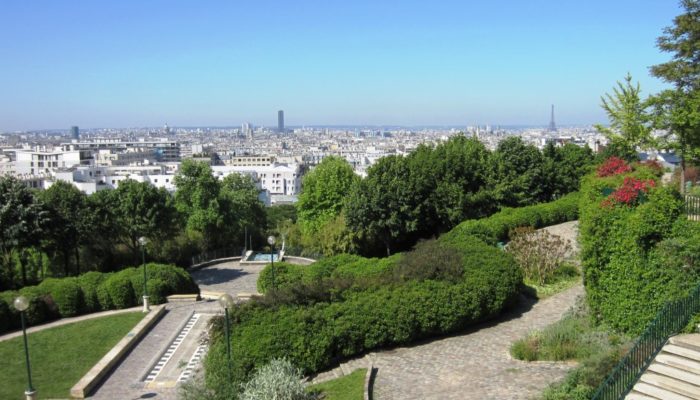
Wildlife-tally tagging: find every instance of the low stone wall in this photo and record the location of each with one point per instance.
(88, 382)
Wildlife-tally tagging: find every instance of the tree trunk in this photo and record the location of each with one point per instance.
(23, 267)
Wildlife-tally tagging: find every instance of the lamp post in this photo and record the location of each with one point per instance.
(226, 301)
(271, 241)
(21, 304)
(143, 241)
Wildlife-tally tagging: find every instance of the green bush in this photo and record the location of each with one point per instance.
(283, 276)
(497, 227)
(93, 291)
(314, 336)
(278, 380)
(89, 282)
(630, 254)
(66, 293)
(121, 292)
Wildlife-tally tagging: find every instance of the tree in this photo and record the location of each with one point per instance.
(197, 198)
(22, 223)
(565, 166)
(678, 109)
(143, 210)
(323, 193)
(66, 206)
(518, 175)
(630, 123)
(382, 207)
(247, 212)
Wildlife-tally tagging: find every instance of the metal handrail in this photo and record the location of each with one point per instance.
(672, 317)
(692, 207)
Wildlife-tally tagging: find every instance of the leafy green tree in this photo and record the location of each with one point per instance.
(565, 166)
(143, 210)
(23, 220)
(66, 206)
(630, 123)
(247, 212)
(678, 109)
(518, 177)
(197, 198)
(323, 193)
(382, 207)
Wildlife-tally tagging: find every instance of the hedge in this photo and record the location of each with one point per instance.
(631, 254)
(314, 337)
(93, 291)
(497, 227)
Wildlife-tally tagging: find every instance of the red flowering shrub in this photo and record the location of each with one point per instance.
(629, 192)
(613, 166)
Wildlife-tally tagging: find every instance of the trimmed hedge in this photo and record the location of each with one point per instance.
(497, 227)
(314, 337)
(631, 254)
(342, 266)
(93, 291)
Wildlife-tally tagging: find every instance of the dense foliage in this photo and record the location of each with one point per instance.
(93, 291)
(344, 305)
(431, 190)
(61, 232)
(630, 246)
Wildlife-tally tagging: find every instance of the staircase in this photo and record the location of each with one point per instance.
(674, 374)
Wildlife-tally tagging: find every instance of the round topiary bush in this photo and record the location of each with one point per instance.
(102, 293)
(66, 293)
(42, 308)
(121, 292)
(89, 282)
(7, 317)
(157, 291)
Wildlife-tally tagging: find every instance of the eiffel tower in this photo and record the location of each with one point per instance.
(552, 125)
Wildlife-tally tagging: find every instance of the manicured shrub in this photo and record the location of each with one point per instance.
(89, 282)
(364, 318)
(120, 290)
(42, 308)
(497, 227)
(9, 319)
(66, 293)
(103, 296)
(157, 291)
(283, 276)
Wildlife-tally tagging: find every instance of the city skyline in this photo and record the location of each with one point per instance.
(358, 64)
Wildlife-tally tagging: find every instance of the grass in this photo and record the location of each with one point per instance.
(566, 276)
(349, 387)
(574, 337)
(60, 356)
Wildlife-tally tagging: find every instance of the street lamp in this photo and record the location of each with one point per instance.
(226, 301)
(143, 241)
(21, 304)
(271, 241)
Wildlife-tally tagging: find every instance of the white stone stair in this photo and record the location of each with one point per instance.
(674, 374)
(345, 368)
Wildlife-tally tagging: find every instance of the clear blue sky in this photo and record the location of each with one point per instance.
(196, 63)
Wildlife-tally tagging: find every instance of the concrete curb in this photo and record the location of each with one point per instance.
(369, 381)
(212, 262)
(81, 389)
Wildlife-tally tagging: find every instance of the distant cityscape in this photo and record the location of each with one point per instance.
(274, 157)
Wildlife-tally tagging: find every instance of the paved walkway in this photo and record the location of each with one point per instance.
(475, 365)
(127, 380)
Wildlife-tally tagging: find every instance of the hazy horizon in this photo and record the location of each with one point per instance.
(361, 63)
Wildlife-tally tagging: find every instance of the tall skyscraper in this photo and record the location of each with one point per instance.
(75, 132)
(280, 121)
(552, 125)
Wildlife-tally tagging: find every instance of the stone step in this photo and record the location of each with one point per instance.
(678, 362)
(676, 373)
(689, 341)
(670, 384)
(634, 395)
(682, 351)
(657, 392)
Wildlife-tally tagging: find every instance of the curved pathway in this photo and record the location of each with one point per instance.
(477, 365)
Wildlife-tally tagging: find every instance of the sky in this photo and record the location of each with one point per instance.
(357, 62)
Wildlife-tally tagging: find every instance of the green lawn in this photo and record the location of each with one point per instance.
(60, 356)
(349, 387)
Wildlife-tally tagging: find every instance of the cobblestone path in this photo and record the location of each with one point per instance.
(475, 365)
